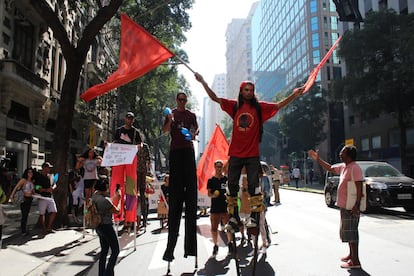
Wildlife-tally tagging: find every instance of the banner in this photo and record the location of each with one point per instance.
(217, 148)
(119, 154)
(315, 71)
(140, 52)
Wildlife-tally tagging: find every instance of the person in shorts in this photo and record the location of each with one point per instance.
(216, 187)
(46, 202)
(348, 171)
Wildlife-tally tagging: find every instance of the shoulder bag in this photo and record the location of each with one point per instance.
(352, 194)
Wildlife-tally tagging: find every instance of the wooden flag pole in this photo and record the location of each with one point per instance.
(185, 64)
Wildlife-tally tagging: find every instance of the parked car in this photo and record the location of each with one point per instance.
(386, 186)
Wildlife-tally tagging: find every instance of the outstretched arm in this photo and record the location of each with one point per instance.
(210, 92)
(295, 93)
(315, 156)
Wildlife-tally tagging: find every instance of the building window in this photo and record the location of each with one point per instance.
(334, 23)
(367, 6)
(351, 120)
(403, 6)
(314, 23)
(382, 4)
(410, 136)
(313, 6)
(337, 73)
(23, 42)
(332, 6)
(315, 40)
(365, 144)
(316, 57)
(394, 138)
(376, 142)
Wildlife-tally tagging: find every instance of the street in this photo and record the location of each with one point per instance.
(307, 243)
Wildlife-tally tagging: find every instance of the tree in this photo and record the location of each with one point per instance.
(303, 120)
(74, 54)
(270, 146)
(157, 89)
(380, 73)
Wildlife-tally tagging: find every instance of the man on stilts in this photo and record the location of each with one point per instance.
(182, 125)
(248, 116)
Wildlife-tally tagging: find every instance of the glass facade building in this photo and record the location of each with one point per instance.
(289, 38)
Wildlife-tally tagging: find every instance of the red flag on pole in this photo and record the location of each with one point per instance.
(140, 52)
(315, 71)
(217, 148)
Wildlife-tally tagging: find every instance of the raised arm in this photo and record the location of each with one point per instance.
(167, 123)
(295, 94)
(315, 156)
(210, 92)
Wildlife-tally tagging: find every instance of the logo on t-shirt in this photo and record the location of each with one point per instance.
(125, 137)
(245, 122)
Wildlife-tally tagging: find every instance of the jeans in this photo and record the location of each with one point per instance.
(25, 209)
(107, 238)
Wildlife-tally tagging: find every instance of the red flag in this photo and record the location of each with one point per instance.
(315, 71)
(140, 52)
(217, 148)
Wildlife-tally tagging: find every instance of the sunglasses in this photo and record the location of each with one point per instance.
(130, 117)
(219, 167)
(182, 100)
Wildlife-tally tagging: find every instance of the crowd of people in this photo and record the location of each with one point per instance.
(240, 190)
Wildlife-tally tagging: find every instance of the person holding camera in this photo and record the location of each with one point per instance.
(107, 236)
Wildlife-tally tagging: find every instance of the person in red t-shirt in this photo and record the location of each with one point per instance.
(248, 116)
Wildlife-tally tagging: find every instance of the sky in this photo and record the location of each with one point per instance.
(206, 40)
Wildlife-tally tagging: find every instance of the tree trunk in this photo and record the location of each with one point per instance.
(61, 140)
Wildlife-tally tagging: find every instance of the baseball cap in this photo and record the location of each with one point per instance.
(47, 164)
(130, 114)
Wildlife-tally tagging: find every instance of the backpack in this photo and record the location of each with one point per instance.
(92, 217)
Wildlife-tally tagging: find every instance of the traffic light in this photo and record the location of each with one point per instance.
(348, 10)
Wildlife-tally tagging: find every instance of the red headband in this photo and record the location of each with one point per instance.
(244, 83)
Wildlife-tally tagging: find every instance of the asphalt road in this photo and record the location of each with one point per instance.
(306, 243)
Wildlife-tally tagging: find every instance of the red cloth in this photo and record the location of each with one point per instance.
(140, 52)
(216, 149)
(315, 71)
(245, 137)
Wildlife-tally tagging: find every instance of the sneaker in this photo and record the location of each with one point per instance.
(350, 265)
(215, 250)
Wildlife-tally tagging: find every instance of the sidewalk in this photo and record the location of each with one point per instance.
(314, 187)
(69, 251)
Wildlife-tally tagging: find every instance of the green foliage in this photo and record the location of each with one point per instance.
(303, 120)
(150, 94)
(380, 71)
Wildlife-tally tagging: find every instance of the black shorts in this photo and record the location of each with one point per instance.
(89, 183)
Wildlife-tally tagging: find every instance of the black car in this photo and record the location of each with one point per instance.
(386, 186)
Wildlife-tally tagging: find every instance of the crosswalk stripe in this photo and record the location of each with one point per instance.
(156, 260)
